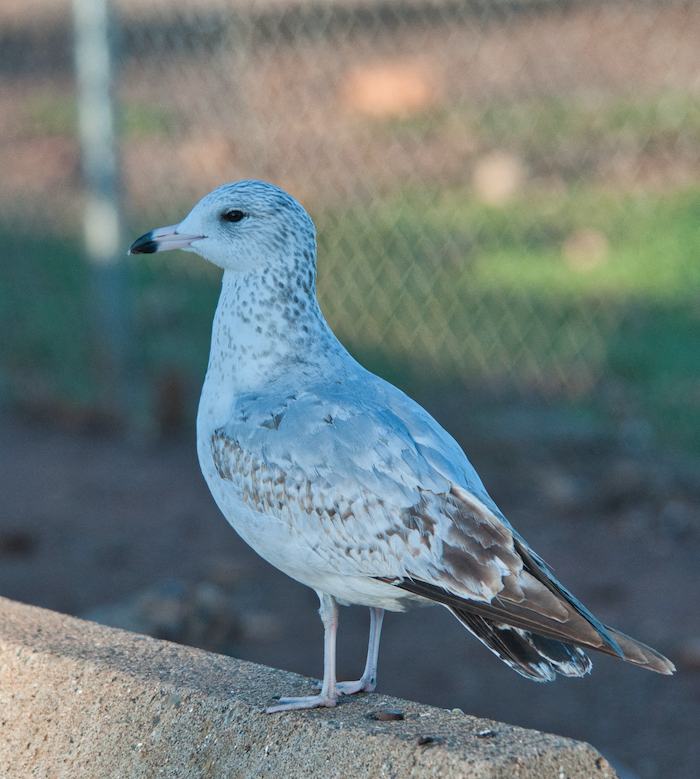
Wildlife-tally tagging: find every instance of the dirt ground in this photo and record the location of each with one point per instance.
(91, 520)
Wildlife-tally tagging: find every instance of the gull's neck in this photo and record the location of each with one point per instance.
(267, 325)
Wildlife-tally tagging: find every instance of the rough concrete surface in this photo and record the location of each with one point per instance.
(81, 700)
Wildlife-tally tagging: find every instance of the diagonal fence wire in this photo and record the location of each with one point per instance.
(478, 171)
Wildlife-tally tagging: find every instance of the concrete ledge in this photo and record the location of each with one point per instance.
(78, 700)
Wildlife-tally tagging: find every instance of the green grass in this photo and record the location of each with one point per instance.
(46, 348)
(473, 293)
(487, 294)
(652, 247)
(653, 241)
(50, 114)
(655, 356)
(51, 352)
(564, 135)
(469, 294)
(543, 126)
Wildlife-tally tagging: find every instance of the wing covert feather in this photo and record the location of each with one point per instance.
(362, 491)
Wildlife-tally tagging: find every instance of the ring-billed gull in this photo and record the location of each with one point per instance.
(343, 482)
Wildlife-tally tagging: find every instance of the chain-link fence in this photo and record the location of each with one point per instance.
(505, 190)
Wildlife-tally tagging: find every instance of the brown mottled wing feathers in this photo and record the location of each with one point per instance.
(533, 601)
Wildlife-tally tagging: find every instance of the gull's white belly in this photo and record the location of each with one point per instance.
(284, 548)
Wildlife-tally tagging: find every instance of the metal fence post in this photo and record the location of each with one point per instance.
(102, 228)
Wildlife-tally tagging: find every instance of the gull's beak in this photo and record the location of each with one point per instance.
(161, 240)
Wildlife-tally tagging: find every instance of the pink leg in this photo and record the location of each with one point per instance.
(328, 696)
(368, 682)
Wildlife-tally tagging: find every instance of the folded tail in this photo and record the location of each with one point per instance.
(533, 643)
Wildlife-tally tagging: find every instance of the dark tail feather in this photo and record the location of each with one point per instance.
(640, 654)
(533, 644)
(535, 657)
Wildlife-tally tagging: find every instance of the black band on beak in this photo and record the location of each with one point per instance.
(144, 245)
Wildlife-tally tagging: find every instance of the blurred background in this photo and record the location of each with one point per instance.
(507, 197)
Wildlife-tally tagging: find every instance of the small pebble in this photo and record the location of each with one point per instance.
(387, 715)
(427, 741)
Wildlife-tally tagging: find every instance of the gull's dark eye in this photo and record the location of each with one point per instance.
(234, 215)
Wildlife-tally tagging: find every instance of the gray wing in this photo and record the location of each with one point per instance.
(368, 480)
(374, 487)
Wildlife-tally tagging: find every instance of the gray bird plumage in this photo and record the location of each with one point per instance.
(343, 482)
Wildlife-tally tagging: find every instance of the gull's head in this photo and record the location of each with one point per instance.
(239, 227)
